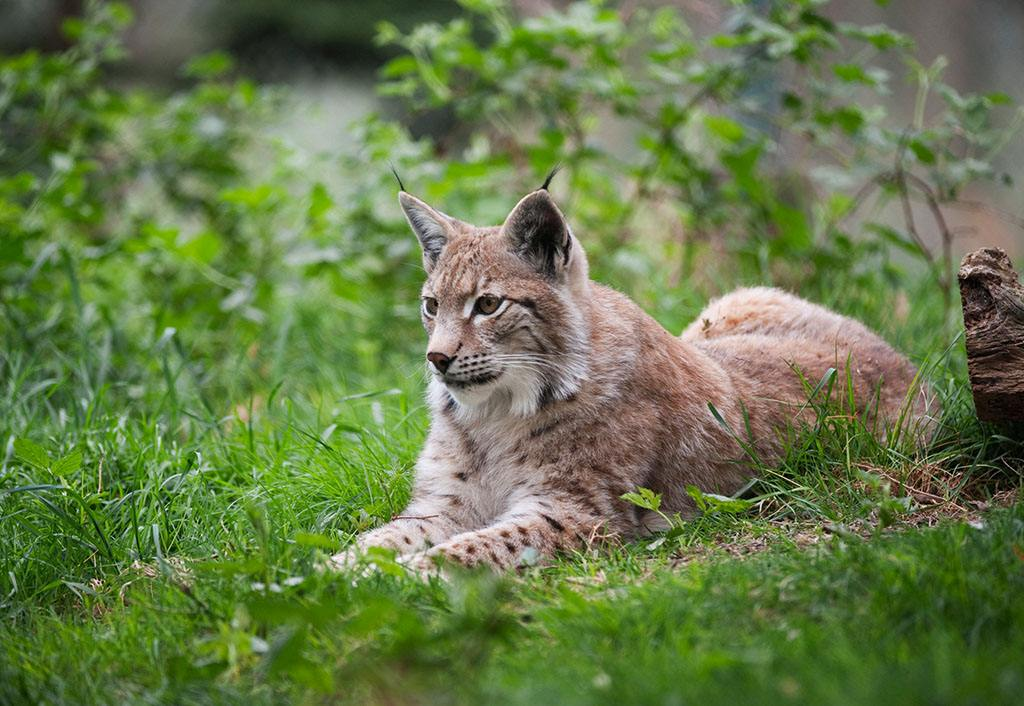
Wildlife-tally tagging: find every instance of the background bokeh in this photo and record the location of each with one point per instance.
(324, 52)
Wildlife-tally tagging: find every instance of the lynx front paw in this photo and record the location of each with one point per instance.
(364, 562)
(347, 559)
(424, 566)
(351, 561)
(469, 553)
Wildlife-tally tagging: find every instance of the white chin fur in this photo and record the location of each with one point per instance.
(515, 393)
(473, 396)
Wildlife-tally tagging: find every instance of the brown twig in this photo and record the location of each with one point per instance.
(940, 220)
(859, 199)
(944, 277)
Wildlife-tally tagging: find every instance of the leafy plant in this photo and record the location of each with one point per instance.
(712, 120)
(711, 509)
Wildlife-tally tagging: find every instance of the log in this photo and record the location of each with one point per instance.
(993, 302)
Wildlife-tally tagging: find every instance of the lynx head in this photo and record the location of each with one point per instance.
(503, 307)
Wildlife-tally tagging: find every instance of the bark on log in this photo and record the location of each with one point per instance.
(993, 301)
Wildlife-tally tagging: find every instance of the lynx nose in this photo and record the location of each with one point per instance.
(440, 361)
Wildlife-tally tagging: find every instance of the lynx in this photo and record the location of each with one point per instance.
(551, 395)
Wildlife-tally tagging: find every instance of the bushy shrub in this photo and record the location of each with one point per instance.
(165, 237)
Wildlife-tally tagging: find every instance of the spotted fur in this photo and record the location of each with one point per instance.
(568, 395)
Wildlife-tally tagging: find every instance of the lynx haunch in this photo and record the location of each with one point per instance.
(552, 395)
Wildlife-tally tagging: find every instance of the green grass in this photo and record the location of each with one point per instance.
(929, 617)
(211, 379)
(175, 559)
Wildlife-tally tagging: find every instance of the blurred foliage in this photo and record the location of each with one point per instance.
(165, 237)
(339, 30)
(769, 136)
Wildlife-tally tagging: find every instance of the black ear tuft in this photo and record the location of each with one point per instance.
(551, 175)
(538, 233)
(432, 228)
(401, 186)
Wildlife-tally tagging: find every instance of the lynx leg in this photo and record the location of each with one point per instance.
(422, 525)
(507, 542)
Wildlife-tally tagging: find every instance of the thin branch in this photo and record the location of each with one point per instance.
(940, 220)
(908, 218)
(859, 199)
(931, 199)
(942, 273)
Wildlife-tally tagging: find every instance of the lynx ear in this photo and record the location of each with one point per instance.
(539, 233)
(432, 228)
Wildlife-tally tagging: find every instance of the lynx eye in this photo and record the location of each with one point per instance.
(487, 304)
(429, 307)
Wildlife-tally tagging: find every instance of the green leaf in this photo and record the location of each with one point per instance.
(725, 504)
(73, 28)
(32, 453)
(879, 36)
(320, 202)
(698, 497)
(260, 196)
(851, 73)
(310, 539)
(68, 464)
(202, 247)
(795, 231)
(712, 502)
(208, 66)
(923, 153)
(402, 66)
(849, 118)
(121, 13)
(645, 498)
(725, 128)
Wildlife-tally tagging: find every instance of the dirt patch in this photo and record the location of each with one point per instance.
(929, 511)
